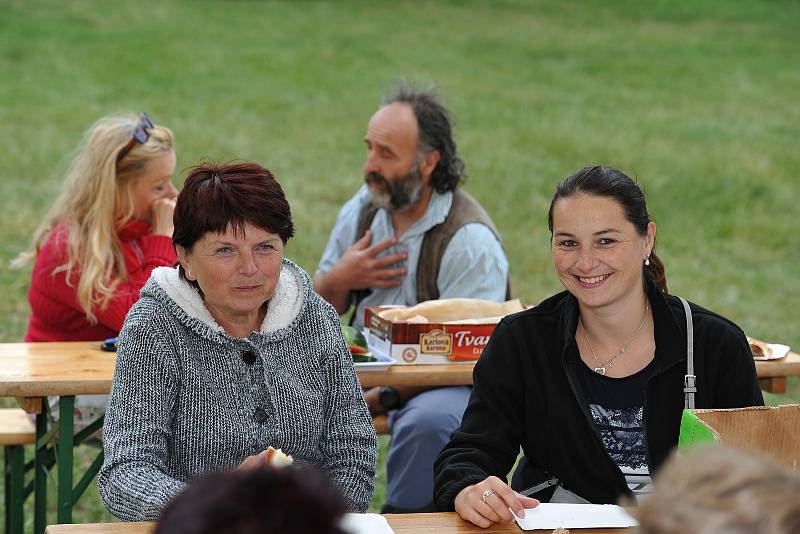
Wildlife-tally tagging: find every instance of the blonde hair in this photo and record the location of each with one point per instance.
(720, 490)
(95, 203)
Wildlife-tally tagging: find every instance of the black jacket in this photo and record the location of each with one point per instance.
(527, 393)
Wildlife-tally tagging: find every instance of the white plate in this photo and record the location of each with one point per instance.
(778, 352)
(382, 363)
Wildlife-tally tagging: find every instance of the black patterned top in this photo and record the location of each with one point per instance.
(617, 407)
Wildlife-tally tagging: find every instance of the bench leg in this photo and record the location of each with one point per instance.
(14, 488)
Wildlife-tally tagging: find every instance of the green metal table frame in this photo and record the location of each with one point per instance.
(14, 478)
(51, 451)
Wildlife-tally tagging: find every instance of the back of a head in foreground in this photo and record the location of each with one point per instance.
(258, 501)
(717, 490)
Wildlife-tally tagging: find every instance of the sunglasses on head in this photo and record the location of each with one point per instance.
(140, 135)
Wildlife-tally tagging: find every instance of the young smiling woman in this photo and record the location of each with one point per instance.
(590, 383)
(598, 255)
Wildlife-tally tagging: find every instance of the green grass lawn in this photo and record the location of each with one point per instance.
(697, 99)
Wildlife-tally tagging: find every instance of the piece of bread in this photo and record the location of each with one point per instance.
(759, 348)
(447, 310)
(277, 458)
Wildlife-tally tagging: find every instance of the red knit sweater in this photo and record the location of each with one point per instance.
(56, 315)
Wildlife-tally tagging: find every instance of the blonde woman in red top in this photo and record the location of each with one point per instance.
(110, 226)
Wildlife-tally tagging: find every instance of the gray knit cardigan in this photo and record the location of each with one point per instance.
(188, 399)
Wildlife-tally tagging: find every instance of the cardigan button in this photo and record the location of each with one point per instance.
(260, 415)
(249, 357)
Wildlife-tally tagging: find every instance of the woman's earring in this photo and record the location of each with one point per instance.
(647, 261)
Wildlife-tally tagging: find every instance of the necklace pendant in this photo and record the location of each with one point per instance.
(600, 370)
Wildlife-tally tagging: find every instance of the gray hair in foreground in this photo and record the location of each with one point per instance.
(717, 490)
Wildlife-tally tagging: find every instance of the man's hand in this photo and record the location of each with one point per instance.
(373, 402)
(361, 268)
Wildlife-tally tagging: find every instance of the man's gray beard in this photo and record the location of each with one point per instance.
(400, 194)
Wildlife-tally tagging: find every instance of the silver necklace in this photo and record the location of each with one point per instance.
(603, 367)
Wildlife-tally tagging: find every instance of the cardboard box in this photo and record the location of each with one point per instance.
(425, 343)
(771, 431)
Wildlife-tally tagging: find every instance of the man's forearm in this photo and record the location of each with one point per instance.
(406, 393)
(339, 297)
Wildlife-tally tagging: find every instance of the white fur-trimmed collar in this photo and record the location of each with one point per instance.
(284, 306)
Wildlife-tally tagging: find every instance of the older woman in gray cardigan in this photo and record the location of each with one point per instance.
(229, 353)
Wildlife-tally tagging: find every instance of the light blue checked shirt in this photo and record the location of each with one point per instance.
(473, 266)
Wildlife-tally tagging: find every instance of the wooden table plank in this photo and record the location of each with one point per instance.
(442, 523)
(81, 368)
(454, 374)
(102, 528)
(61, 368)
(789, 365)
(451, 523)
(437, 523)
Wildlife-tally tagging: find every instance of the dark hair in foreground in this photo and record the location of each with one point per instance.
(217, 196)
(719, 489)
(258, 501)
(610, 183)
(435, 133)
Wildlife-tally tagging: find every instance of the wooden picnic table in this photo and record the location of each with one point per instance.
(32, 371)
(36, 370)
(435, 523)
(80, 368)
(772, 374)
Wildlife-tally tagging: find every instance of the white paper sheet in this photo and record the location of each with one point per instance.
(552, 515)
(366, 524)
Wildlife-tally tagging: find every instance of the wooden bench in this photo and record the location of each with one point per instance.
(16, 430)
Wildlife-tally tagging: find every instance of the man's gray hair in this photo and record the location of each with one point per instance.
(435, 133)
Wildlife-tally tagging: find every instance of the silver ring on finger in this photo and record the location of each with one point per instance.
(486, 495)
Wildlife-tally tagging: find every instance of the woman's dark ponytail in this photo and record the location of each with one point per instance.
(655, 272)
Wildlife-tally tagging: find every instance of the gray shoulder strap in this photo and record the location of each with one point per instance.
(690, 380)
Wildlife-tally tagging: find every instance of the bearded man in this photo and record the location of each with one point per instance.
(406, 236)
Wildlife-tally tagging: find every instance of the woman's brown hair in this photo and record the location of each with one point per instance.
(217, 196)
